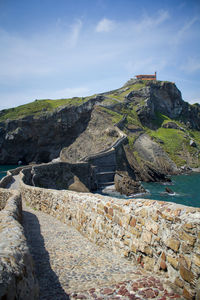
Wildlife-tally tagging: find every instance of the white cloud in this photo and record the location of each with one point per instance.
(68, 58)
(184, 30)
(191, 65)
(105, 25)
(148, 22)
(75, 32)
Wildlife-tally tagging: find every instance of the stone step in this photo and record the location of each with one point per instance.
(106, 178)
(103, 184)
(103, 173)
(106, 168)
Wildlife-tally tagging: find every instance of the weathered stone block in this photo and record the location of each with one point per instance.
(186, 274)
(152, 226)
(179, 282)
(109, 216)
(143, 213)
(173, 244)
(155, 217)
(135, 232)
(167, 217)
(163, 265)
(132, 222)
(134, 248)
(185, 248)
(173, 261)
(141, 221)
(117, 220)
(185, 261)
(126, 242)
(188, 294)
(106, 209)
(110, 211)
(188, 238)
(196, 259)
(188, 227)
(144, 248)
(149, 263)
(146, 237)
(163, 256)
(100, 212)
(139, 227)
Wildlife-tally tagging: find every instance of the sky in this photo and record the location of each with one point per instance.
(53, 49)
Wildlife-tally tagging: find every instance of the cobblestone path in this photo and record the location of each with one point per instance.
(68, 266)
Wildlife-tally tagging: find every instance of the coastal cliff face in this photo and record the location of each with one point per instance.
(40, 138)
(163, 131)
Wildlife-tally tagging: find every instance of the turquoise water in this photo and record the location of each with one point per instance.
(4, 169)
(186, 190)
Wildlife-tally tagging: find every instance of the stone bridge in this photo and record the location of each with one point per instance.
(61, 244)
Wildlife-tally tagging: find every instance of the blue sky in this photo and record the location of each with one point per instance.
(64, 48)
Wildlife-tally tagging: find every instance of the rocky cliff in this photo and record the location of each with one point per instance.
(163, 131)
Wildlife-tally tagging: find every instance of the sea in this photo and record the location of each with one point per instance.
(5, 168)
(185, 188)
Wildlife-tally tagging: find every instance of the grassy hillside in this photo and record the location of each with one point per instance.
(37, 107)
(122, 92)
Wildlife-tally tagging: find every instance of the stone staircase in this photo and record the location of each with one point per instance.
(104, 167)
(104, 162)
(105, 175)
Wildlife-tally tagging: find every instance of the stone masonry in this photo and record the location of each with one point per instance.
(17, 278)
(162, 237)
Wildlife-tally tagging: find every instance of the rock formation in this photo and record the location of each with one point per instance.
(156, 125)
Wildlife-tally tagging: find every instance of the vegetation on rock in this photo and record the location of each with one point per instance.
(139, 107)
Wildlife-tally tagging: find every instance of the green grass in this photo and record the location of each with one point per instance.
(132, 117)
(109, 102)
(160, 119)
(119, 95)
(37, 107)
(40, 106)
(116, 117)
(196, 135)
(131, 140)
(175, 142)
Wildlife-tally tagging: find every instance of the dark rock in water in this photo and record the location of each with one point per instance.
(126, 185)
(185, 169)
(168, 190)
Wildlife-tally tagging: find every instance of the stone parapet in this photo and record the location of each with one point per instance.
(17, 278)
(4, 196)
(6, 180)
(162, 237)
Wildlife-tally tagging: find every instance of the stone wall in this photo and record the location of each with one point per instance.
(4, 196)
(5, 181)
(161, 237)
(17, 279)
(60, 175)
